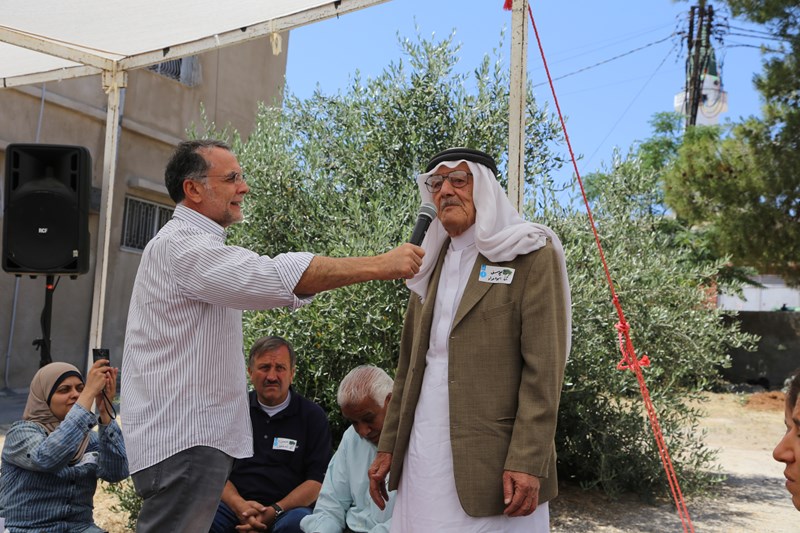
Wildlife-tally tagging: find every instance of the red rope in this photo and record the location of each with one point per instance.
(629, 360)
(626, 363)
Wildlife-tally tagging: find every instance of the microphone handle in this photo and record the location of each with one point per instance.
(420, 228)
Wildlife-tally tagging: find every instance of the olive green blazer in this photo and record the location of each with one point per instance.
(507, 352)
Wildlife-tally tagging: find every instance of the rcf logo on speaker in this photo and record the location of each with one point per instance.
(42, 230)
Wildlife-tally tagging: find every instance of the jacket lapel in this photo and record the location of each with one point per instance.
(423, 329)
(474, 290)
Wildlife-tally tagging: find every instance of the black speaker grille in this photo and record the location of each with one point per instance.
(45, 228)
(45, 232)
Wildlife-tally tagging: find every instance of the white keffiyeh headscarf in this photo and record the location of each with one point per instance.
(501, 234)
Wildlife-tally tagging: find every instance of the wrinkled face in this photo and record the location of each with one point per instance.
(454, 206)
(367, 417)
(65, 396)
(223, 191)
(788, 452)
(272, 373)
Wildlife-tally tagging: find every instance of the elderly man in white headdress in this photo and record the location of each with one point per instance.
(469, 435)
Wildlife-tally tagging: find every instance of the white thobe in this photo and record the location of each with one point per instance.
(427, 501)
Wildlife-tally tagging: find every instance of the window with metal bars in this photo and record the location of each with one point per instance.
(141, 222)
(184, 70)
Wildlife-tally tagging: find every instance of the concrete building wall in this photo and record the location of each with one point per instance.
(156, 111)
(771, 296)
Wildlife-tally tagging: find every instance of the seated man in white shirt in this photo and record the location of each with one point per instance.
(344, 503)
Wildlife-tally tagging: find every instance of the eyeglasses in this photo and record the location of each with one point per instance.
(232, 178)
(457, 178)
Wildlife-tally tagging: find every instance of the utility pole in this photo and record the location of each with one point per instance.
(698, 47)
(517, 103)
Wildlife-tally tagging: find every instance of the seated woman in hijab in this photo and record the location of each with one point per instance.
(788, 449)
(52, 459)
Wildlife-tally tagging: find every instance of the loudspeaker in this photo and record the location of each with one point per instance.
(46, 215)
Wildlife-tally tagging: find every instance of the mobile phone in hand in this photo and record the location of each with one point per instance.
(100, 353)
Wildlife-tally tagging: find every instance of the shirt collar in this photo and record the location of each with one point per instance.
(465, 240)
(291, 409)
(195, 218)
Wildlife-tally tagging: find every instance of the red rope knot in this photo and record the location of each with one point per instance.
(628, 356)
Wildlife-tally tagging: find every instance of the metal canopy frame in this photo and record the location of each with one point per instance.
(51, 58)
(42, 57)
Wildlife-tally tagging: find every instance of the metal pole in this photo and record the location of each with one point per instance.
(11, 332)
(516, 103)
(16, 278)
(47, 320)
(113, 83)
(43, 344)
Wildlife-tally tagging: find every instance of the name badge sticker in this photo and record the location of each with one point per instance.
(287, 445)
(493, 274)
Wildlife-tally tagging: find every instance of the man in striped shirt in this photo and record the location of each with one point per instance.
(184, 390)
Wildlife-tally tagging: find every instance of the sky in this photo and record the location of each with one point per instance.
(607, 106)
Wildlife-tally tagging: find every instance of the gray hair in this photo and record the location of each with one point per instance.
(270, 344)
(187, 163)
(362, 382)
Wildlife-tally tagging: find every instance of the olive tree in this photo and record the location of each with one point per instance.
(666, 290)
(334, 175)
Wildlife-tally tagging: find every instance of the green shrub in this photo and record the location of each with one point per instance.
(129, 502)
(604, 435)
(333, 175)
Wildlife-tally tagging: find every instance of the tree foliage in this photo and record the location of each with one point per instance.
(333, 174)
(744, 192)
(780, 79)
(666, 291)
(741, 182)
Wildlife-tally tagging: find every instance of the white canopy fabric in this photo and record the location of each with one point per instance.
(43, 40)
(47, 40)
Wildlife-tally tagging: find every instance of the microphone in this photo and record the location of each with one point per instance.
(427, 212)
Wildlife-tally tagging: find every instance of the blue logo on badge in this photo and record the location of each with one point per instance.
(483, 271)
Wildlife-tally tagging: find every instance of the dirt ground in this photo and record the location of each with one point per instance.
(745, 428)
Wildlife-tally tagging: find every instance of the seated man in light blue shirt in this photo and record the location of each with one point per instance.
(344, 503)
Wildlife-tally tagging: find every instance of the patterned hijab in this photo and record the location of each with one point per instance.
(43, 385)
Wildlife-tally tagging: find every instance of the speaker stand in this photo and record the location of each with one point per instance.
(43, 344)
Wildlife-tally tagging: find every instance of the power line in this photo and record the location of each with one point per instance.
(594, 46)
(750, 30)
(757, 47)
(757, 37)
(629, 52)
(630, 104)
(626, 81)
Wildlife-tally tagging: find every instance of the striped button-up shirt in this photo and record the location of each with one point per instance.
(183, 372)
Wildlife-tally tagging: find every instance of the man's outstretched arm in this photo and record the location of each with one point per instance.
(326, 273)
